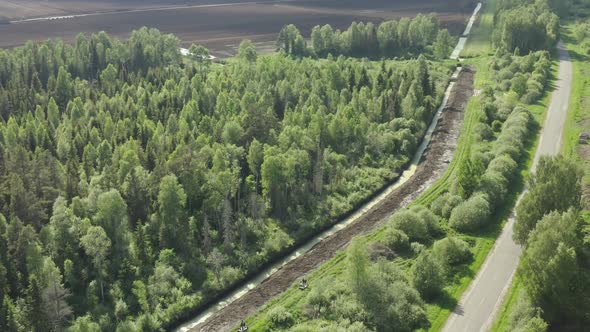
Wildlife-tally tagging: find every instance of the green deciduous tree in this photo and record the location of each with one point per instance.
(471, 215)
(111, 216)
(550, 268)
(84, 324)
(443, 45)
(97, 246)
(171, 201)
(555, 186)
(247, 51)
(451, 251)
(428, 275)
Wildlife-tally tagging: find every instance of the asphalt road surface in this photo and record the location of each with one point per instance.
(479, 305)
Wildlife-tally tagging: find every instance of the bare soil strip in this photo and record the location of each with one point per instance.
(432, 166)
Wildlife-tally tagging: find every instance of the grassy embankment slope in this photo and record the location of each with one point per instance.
(578, 121)
(478, 50)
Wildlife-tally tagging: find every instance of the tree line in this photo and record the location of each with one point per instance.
(418, 35)
(391, 277)
(522, 26)
(134, 185)
(554, 269)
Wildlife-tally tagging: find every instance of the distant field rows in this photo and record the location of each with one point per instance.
(219, 28)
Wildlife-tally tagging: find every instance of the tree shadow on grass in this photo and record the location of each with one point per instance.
(569, 39)
(446, 301)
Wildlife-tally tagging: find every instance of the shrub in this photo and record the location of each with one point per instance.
(428, 276)
(505, 74)
(483, 132)
(410, 223)
(280, 318)
(396, 240)
(429, 219)
(540, 76)
(319, 298)
(496, 126)
(417, 248)
(491, 110)
(230, 275)
(495, 186)
(534, 84)
(504, 112)
(277, 240)
(531, 96)
(519, 84)
(452, 251)
(471, 214)
(444, 204)
(514, 132)
(390, 298)
(481, 155)
(504, 85)
(504, 165)
(507, 149)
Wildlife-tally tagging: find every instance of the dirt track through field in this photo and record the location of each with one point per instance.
(432, 166)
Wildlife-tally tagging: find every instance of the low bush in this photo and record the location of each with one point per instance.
(444, 204)
(412, 223)
(428, 276)
(514, 132)
(452, 251)
(396, 240)
(495, 186)
(471, 214)
(504, 165)
(280, 317)
(483, 132)
(417, 248)
(428, 218)
(503, 113)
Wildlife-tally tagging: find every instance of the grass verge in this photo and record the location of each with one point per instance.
(578, 120)
(502, 323)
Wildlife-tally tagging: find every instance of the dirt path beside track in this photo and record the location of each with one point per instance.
(431, 168)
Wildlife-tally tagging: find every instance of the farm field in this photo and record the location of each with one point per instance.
(27, 9)
(217, 24)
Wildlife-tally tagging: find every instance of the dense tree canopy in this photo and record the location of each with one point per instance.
(555, 186)
(555, 271)
(527, 25)
(417, 35)
(134, 186)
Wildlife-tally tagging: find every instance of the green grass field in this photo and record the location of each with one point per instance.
(578, 120)
(480, 41)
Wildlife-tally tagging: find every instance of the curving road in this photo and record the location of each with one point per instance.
(479, 305)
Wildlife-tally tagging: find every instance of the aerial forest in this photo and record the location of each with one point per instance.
(136, 185)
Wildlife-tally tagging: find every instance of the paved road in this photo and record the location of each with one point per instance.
(479, 305)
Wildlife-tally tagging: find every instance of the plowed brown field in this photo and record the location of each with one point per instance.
(218, 24)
